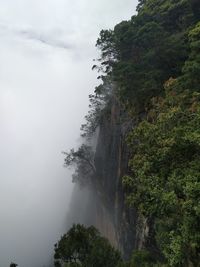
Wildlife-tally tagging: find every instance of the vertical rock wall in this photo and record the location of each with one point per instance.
(117, 222)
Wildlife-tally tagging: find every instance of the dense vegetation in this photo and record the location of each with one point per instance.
(151, 64)
(83, 246)
(141, 54)
(165, 184)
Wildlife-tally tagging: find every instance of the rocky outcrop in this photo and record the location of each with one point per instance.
(102, 203)
(115, 220)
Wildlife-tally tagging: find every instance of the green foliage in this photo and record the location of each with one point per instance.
(165, 184)
(140, 4)
(83, 246)
(174, 15)
(142, 258)
(141, 54)
(191, 69)
(106, 44)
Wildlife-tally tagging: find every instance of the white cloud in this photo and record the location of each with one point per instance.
(46, 52)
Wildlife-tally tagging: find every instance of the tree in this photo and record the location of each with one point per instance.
(165, 181)
(191, 69)
(142, 258)
(144, 52)
(140, 4)
(106, 44)
(84, 246)
(83, 161)
(99, 101)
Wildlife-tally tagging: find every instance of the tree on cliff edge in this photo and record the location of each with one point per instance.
(84, 246)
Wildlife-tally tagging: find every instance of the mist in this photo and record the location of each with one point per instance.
(46, 54)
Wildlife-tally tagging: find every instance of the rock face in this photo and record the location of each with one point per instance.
(120, 224)
(102, 203)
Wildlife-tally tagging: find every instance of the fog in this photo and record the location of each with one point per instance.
(46, 53)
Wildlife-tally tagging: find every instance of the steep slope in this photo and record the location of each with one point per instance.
(144, 169)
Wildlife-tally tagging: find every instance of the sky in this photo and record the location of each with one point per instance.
(46, 53)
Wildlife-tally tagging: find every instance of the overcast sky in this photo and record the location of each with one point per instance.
(46, 52)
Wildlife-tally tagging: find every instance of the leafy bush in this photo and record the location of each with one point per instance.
(83, 246)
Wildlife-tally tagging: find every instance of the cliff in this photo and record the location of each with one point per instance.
(150, 66)
(118, 222)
